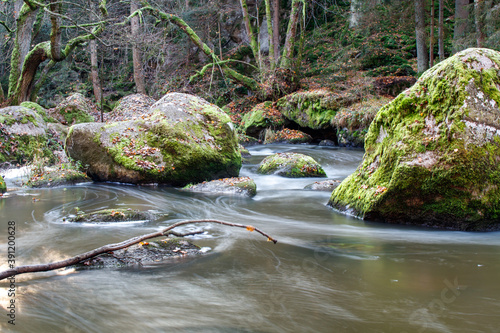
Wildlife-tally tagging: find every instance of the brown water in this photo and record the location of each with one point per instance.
(328, 273)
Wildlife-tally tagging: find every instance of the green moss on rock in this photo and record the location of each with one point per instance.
(23, 135)
(183, 139)
(75, 109)
(291, 165)
(262, 116)
(432, 154)
(3, 186)
(115, 215)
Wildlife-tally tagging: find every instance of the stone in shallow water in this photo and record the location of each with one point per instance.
(291, 165)
(241, 186)
(144, 253)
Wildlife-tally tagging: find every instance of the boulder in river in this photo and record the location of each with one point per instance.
(325, 185)
(432, 155)
(291, 165)
(184, 139)
(144, 253)
(116, 215)
(241, 186)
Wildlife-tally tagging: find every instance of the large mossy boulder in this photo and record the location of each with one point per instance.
(23, 136)
(183, 139)
(433, 154)
(75, 109)
(291, 165)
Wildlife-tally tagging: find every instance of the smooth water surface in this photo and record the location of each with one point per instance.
(328, 272)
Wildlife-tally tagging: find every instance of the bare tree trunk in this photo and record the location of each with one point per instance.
(441, 30)
(479, 14)
(94, 71)
(136, 53)
(431, 42)
(286, 59)
(355, 13)
(461, 18)
(422, 59)
(276, 30)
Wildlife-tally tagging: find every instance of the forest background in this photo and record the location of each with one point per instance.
(109, 49)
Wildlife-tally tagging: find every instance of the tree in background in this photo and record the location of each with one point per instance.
(421, 36)
(25, 59)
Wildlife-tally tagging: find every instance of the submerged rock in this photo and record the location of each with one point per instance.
(116, 215)
(433, 154)
(291, 165)
(242, 186)
(326, 185)
(184, 139)
(144, 253)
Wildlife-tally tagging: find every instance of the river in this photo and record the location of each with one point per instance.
(328, 272)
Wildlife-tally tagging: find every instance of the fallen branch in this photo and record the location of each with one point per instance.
(117, 246)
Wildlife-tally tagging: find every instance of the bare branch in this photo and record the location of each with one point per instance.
(117, 246)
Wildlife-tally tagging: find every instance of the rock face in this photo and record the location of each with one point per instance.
(291, 165)
(262, 116)
(75, 109)
(23, 135)
(433, 154)
(239, 186)
(183, 139)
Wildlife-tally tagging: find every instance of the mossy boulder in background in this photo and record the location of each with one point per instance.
(130, 106)
(291, 165)
(432, 155)
(183, 139)
(23, 135)
(315, 110)
(286, 135)
(262, 116)
(75, 109)
(40, 110)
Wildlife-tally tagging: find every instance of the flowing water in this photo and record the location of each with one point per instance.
(328, 272)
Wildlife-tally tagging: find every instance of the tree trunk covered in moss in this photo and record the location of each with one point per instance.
(276, 30)
(422, 56)
(252, 37)
(22, 84)
(25, 19)
(287, 57)
(244, 80)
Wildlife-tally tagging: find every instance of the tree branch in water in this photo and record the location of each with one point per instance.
(118, 246)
